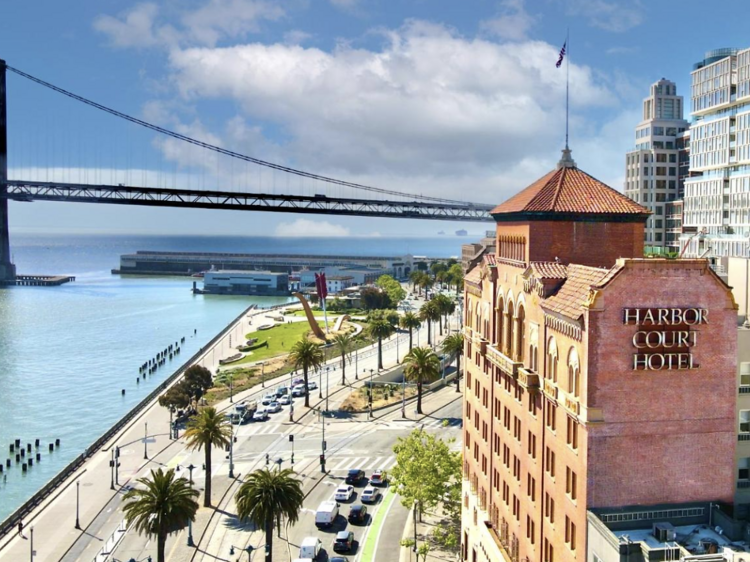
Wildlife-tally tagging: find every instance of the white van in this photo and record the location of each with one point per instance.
(310, 548)
(326, 514)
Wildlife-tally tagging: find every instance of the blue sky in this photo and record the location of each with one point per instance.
(449, 98)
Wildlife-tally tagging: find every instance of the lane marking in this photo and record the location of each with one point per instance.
(372, 536)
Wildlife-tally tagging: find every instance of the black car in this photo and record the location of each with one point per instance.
(344, 541)
(355, 476)
(358, 514)
(338, 559)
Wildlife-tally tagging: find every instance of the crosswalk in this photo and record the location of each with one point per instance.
(430, 425)
(265, 428)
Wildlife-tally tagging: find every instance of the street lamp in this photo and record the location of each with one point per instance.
(112, 471)
(291, 398)
(371, 372)
(249, 549)
(328, 369)
(356, 364)
(190, 521)
(323, 445)
(78, 504)
(31, 544)
(145, 442)
(320, 383)
(397, 361)
(231, 450)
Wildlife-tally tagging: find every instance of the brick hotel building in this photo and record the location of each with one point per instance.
(594, 378)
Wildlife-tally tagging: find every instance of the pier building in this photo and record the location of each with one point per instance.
(595, 380)
(231, 282)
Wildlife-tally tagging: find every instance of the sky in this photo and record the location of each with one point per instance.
(457, 99)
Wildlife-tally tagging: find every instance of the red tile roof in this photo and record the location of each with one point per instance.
(548, 270)
(474, 276)
(570, 190)
(574, 293)
(489, 259)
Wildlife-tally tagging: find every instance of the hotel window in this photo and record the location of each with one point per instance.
(500, 324)
(549, 461)
(551, 418)
(744, 421)
(516, 507)
(744, 374)
(531, 487)
(572, 433)
(520, 333)
(533, 358)
(517, 468)
(530, 529)
(532, 445)
(743, 469)
(549, 507)
(574, 384)
(510, 321)
(549, 553)
(517, 429)
(552, 360)
(570, 533)
(571, 483)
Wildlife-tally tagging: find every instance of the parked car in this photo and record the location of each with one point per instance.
(344, 541)
(312, 385)
(378, 478)
(344, 493)
(285, 400)
(370, 495)
(260, 415)
(355, 476)
(358, 514)
(273, 407)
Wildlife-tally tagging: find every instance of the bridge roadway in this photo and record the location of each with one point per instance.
(21, 190)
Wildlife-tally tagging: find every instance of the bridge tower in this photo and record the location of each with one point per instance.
(7, 269)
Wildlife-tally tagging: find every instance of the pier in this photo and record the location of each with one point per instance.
(37, 280)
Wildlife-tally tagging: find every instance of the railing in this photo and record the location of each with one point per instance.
(23, 511)
(744, 390)
(550, 389)
(742, 484)
(499, 359)
(528, 379)
(571, 404)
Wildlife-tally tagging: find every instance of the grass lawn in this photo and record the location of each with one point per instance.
(280, 340)
(358, 401)
(316, 313)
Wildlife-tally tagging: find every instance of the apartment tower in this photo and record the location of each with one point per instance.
(594, 378)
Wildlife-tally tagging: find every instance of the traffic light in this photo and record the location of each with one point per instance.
(322, 459)
(268, 549)
(117, 452)
(291, 438)
(292, 458)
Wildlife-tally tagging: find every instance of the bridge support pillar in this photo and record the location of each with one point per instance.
(7, 269)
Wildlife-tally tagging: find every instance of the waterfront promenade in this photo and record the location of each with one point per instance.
(88, 495)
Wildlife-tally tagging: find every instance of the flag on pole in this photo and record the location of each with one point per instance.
(562, 55)
(321, 285)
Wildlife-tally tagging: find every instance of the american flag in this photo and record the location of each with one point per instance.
(562, 55)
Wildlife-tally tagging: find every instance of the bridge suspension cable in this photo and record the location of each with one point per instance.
(233, 154)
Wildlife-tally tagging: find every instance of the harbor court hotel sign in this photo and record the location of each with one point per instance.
(665, 337)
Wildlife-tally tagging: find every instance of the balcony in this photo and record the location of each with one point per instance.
(502, 361)
(743, 437)
(743, 484)
(550, 389)
(745, 390)
(572, 405)
(528, 379)
(499, 542)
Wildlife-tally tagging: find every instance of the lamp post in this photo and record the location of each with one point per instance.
(112, 471)
(356, 364)
(145, 442)
(397, 361)
(323, 446)
(171, 411)
(291, 398)
(190, 521)
(403, 395)
(320, 383)
(328, 369)
(371, 373)
(231, 451)
(31, 544)
(78, 504)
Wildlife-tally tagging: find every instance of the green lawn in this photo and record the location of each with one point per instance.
(316, 313)
(280, 340)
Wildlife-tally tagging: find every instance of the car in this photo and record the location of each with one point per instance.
(260, 415)
(268, 398)
(344, 493)
(310, 548)
(273, 407)
(357, 514)
(299, 390)
(343, 542)
(281, 391)
(338, 559)
(370, 495)
(297, 382)
(378, 478)
(355, 476)
(285, 400)
(312, 385)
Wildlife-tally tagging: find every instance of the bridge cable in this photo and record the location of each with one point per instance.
(233, 154)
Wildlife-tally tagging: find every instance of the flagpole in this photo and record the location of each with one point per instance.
(567, 84)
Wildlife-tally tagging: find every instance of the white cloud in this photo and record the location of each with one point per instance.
(306, 227)
(143, 26)
(429, 104)
(610, 15)
(296, 37)
(512, 23)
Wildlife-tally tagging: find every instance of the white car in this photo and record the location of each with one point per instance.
(260, 415)
(344, 493)
(370, 495)
(273, 407)
(299, 390)
(312, 385)
(268, 398)
(285, 400)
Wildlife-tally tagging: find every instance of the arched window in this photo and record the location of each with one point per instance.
(574, 373)
(509, 320)
(486, 316)
(499, 323)
(478, 318)
(533, 359)
(521, 331)
(551, 371)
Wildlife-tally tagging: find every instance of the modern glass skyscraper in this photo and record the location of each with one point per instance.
(652, 175)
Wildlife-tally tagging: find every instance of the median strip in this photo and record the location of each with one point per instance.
(373, 535)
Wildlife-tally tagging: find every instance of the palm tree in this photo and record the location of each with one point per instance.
(267, 496)
(454, 344)
(205, 431)
(306, 355)
(344, 343)
(421, 365)
(410, 321)
(429, 313)
(162, 507)
(414, 277)
(380, 328)
(457, 276)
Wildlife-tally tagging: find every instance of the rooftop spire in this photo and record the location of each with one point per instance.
(567, 160)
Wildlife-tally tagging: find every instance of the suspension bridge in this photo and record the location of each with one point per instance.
(377, 202)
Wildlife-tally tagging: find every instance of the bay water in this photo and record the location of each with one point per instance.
(67, 352)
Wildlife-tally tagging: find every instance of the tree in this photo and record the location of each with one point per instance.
(421, 365)
(392, 288)
(454, 345)
(379, 328)
(456, 274)
(265, 497)
(306, 355)
(410, 321)
(205, 431)
(429, 313)
(177, 397)
(445, 306)
(373, 298)
(344, 343)
(420, 487)
(198, 380)
(163, 506)
(414, 278)
(437, 267)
